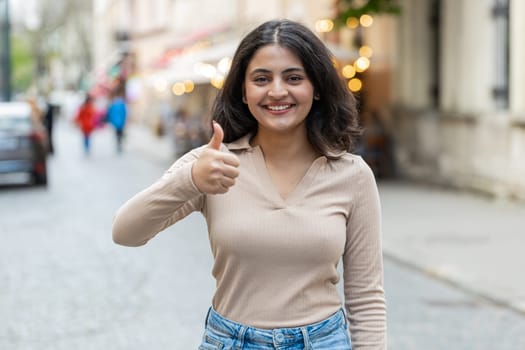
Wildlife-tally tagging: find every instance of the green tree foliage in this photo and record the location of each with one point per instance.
(43, 41)
(22, 63)
(357, 8)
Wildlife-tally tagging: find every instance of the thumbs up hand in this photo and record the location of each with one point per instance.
(215, 171)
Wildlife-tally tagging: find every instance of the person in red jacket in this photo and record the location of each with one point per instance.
(86, 121)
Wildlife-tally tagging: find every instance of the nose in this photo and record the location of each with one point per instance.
(277, 90)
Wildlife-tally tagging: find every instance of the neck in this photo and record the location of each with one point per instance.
(284, 147)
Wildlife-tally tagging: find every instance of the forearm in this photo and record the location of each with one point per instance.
(367, 317)
(363, 268)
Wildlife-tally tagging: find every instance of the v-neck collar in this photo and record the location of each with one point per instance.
(297, 194)
(243, 143)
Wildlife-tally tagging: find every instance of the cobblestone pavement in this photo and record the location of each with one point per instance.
(65, 285)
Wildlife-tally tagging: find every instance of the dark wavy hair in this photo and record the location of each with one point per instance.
(332, 123)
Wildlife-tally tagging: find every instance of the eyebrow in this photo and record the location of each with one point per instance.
(287, 70)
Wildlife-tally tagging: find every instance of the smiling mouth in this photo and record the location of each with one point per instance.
(278, 108)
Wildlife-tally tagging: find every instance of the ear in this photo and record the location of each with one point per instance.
(317, 97)
(244, 95)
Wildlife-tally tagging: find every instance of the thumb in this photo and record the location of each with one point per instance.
(217, 137)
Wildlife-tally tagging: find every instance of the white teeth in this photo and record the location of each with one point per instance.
(278, 108)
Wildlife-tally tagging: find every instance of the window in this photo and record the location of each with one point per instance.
(500, 13)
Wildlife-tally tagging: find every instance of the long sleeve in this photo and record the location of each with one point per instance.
(169, 199)
(363, 267)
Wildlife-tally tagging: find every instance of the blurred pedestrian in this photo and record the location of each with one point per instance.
(117, 115)
(284, 201)
(180, 132)
(36, 111)
(86, 121)
(49, 119)
(187, 132)
(376, 145)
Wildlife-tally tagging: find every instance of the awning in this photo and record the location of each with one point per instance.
(185, 66)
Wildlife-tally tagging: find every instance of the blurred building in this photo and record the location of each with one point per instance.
(174, 53)
(440, 85)
(442, 97)
(459, 87)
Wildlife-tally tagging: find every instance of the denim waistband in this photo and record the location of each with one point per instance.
(281, 336)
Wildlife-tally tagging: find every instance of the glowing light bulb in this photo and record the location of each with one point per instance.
(366, 51)
(188, 86)
(362, 64)
(217, 81)
(178, 89)
(224, 65)
(352, 22)
(366, 20)
(324, 25)
(348, 71)
(355, 84)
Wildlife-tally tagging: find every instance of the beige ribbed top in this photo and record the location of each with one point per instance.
(275, 260)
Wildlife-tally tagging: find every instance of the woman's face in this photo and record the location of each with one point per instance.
(277, 90)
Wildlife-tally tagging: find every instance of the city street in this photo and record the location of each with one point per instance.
(65, 284)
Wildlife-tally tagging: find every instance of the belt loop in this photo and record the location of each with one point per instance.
(206, 319)
(345, 318)
(240, 338)
(306, 339)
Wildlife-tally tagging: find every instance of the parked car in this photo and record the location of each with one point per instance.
(23, 142)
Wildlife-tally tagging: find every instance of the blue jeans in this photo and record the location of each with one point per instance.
(223, 334)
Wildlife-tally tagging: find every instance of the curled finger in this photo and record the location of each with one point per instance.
(227, 181)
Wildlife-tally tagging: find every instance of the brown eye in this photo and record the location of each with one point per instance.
(295, 78)
(260, 80)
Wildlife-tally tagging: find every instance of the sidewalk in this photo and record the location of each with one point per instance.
(472, 242)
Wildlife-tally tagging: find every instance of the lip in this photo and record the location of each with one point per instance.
(279, 108)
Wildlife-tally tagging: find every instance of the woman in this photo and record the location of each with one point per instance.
(283, 201)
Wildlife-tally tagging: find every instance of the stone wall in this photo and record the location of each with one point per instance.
(477, 152)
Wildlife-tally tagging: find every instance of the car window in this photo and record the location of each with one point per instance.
(14, 123)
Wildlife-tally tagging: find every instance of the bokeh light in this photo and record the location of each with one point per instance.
(355, 84)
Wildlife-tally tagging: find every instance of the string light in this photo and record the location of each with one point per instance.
(224, 65)
(362, 64)
(188, 86)
(217, 81)
(355, 84)
(324, 25)
(352, 22)
(366, 51)
(366, 20)
(348, 71)
(178, 89)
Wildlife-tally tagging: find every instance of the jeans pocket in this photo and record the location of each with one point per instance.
(205, 346)
(339, 339)
(346, 333)
(211, 343)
